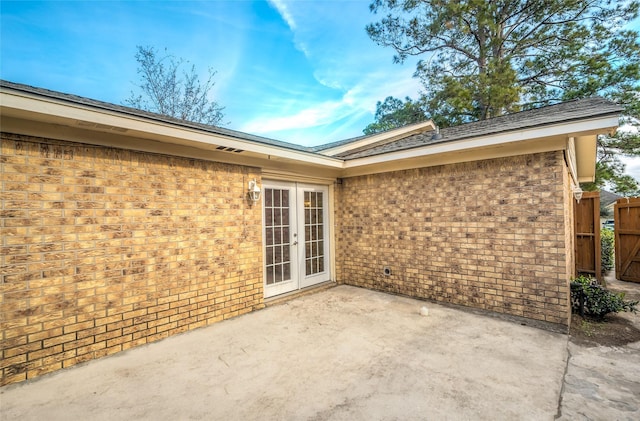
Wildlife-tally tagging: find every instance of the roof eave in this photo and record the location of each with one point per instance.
(121, 127)
(586, 128)
(50, 110)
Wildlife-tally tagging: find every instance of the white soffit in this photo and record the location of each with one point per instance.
(586, 151)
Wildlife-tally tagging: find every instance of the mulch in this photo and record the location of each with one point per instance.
(616, 329)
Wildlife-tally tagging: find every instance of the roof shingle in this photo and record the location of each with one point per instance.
(75, 99)
(552, 114)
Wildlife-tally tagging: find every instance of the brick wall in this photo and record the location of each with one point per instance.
(105, 249)
(488, 234)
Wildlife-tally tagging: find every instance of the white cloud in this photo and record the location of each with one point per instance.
(353, 72)
(629, 125)
(283, 9)
(399, 84)
(356, 103)
(632, 166)
(312, 116)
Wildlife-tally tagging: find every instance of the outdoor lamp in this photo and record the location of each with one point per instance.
(254, 191)
(577, 193)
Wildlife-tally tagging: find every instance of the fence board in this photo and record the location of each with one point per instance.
(587, 231)
(627, 233)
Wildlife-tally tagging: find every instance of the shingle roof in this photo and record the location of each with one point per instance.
(560, 113)
(607, 197)
(75, 99)
(563, 112)
(337, 143)
(344, 142)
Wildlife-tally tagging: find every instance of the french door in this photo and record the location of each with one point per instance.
(296, 240)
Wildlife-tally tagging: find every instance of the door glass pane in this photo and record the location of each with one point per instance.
(277, 231)
(278, 254)
(276, 198)
(313, 228)
(268, 216)
(268, 197)
(269, 255)
(277, 217)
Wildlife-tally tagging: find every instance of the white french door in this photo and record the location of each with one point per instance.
(296, 236)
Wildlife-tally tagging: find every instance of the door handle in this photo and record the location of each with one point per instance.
(295, 243)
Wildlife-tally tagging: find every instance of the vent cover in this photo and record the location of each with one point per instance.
(226, 149)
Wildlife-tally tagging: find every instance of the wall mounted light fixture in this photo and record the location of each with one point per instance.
(577, 193)
(254, 191)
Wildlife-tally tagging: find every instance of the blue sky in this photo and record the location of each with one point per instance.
(300, 71)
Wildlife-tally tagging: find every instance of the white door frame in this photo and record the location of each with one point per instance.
(313, 228)
(280, 268)
(308, 238)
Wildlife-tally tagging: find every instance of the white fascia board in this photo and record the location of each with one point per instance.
(388, 135)
(73, 114)
(284, 175)
(599, 125)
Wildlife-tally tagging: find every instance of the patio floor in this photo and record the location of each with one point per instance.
(342, 353)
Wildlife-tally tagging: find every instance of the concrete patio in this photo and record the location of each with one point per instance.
(342, 353)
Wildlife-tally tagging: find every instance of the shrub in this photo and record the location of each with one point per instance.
(590, 298)
(607, 246)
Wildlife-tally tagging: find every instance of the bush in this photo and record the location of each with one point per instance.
(607, 247)
(591, 299)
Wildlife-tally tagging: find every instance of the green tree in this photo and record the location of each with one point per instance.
(485, 58)
(610, 171)
(393, 113)
(166, 91)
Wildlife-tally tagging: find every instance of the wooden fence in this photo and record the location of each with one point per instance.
(587, 231)
(627, 232)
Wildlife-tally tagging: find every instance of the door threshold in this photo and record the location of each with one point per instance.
(279, 299)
